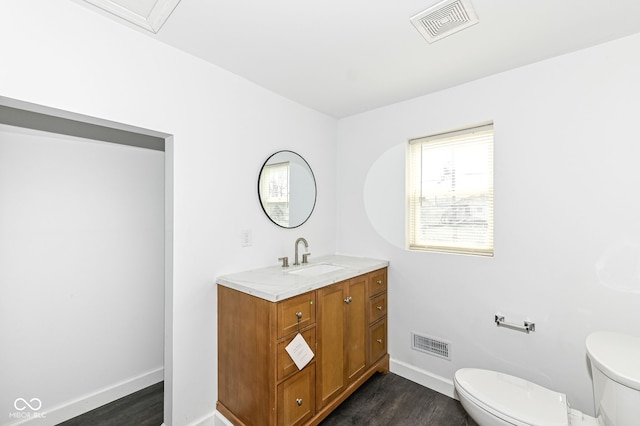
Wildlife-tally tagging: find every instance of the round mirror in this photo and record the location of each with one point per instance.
(287, 189)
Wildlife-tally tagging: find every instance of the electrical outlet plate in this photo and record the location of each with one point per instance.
(246, 239)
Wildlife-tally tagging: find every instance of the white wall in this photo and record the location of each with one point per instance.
(567, 232)
(82, 271)
(64, 55)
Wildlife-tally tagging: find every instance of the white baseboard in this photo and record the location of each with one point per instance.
(212, 419)
(221, 420)
(88, 402)
(423, 377)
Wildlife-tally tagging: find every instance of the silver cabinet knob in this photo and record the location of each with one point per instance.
(379, 282)
(299, 401)
(379, 341)
(348, 300)
(298, 315)
(379, 308)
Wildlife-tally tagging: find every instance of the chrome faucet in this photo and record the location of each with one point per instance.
(304, 256)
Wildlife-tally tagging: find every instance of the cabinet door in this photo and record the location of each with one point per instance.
(296, 313)
(296, 398)
(330, 337)
(377, 307)
(377, 282)
(286, 366)
(378, 340)
(356, 326)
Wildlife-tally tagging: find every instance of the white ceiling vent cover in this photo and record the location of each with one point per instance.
(444, 19)
(431, 345)
(148, 14)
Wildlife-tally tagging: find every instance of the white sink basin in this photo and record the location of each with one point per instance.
(315, 270)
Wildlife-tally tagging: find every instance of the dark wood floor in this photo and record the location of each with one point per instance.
(391, 400)
(384, 400)
(142, 408)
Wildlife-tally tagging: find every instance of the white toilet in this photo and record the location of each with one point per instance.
(497, 399)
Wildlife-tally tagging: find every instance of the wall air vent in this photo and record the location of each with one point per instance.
(444, 19)
(431, 345)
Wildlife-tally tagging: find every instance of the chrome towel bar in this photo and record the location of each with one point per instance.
(527, 327)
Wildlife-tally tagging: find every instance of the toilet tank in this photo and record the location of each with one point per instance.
(615, 366)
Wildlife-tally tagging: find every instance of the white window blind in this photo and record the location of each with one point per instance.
(450, 191)
(274, 192)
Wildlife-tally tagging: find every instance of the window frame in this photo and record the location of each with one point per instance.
(476, 204)
(272, 202)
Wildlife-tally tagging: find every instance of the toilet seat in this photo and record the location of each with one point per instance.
(514, 400)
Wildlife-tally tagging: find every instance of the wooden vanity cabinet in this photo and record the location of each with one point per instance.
(259, 384)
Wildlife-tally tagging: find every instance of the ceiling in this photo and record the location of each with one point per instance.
(343, 57)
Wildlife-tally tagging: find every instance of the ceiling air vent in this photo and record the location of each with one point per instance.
(444, 19)
(148, 14)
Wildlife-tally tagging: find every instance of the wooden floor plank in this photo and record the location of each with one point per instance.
(142, 408)
(391, 400)
(384, 400)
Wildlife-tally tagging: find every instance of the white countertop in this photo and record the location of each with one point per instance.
(275, 283)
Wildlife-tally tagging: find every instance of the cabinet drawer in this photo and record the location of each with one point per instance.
(303, 306)
(378, 340)
(296, 398)
(377, 307)
(286, 366)
(377, 282)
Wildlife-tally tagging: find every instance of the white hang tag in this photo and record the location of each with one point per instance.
(299, 351)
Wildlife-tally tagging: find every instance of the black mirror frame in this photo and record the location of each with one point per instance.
(315, 189)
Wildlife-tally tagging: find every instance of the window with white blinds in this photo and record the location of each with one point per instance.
(450, 191)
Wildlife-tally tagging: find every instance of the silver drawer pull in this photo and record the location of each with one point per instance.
(379, 341)
(299, 315)
(299, 401)
(348, 300)
(379, 308)
(379, 282)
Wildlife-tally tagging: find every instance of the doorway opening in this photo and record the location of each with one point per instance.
(32, 126)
